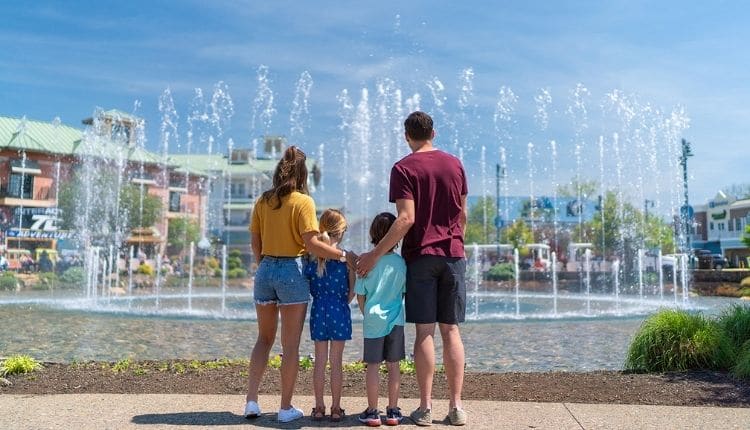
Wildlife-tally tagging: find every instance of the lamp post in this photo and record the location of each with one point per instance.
(497, 203)
(685, 213)
(646, 204)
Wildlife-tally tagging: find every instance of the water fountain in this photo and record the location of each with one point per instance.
(615, 285)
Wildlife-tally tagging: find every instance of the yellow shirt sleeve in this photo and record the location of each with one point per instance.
(307, 220)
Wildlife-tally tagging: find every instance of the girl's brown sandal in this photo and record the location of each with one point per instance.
(337, 414)
(318, 413)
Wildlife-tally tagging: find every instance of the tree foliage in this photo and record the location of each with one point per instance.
(181, 232)
(481, 223)
(519, 235)
(89, 202)
(619, 224)
(572, 189)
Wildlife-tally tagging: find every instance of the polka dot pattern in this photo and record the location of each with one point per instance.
(330, 314)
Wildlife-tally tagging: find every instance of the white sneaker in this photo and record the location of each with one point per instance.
(252, 410)
(291, 414)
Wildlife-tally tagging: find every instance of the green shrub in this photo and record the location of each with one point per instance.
(74, 275)
(145, 269)
(235, 253)
(47, 280)
(212, 262)
(650, 278)
(122, 365)
(217, 273)
(735, 322)
(407, 367)
(237, 273)
(16, 364)
(8, 282)
(674, 340)
(306, 363)
(275, 362)
(745, 282)
(500, 272)
(355, 367)
(741, 368)
(744, 292)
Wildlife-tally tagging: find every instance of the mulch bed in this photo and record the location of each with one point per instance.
(179, 377)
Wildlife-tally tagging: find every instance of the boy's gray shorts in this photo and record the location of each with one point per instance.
(388, 348)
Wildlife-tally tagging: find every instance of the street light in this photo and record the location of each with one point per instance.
(685, 212)
(646, 204)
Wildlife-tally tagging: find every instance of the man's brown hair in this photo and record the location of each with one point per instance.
(380, 226)
(418, 126)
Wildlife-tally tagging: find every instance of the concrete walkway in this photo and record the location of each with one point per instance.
(150, 411)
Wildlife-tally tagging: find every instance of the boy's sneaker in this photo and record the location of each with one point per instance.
(291, 414)
(252, 410)
(393, 416)
(421, 418)
(457, 417)
(371, 417)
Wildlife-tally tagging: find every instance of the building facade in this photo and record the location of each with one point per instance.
(720, 228)
(234, 182)
(37, 160)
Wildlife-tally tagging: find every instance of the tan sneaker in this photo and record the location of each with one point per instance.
(422, 418)
(457, 417)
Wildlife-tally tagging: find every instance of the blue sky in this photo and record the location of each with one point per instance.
(64, 60)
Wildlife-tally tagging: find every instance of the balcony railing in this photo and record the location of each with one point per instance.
(44, 193)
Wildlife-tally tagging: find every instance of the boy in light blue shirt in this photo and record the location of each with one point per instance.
(381, 299)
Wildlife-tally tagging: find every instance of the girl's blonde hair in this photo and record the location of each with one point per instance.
(332, 223)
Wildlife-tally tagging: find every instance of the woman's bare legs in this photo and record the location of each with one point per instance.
(268, 315)
(292, 322)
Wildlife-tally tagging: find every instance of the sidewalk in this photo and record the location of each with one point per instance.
(150, 411)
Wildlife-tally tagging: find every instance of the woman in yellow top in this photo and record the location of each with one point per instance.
(283, 228)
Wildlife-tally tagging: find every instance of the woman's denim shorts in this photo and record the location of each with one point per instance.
(281, 281)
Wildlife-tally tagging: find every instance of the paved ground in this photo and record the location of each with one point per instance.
(144, 411)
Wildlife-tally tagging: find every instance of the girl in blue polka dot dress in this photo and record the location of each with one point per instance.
(332, 289)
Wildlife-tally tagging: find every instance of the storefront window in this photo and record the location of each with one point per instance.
(174, 201)
(20, 186)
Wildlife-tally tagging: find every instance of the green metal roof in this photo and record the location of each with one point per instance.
(29, 135)
(219, 163)
(59, 139)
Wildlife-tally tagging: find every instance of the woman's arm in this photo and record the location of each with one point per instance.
(319, 248)
(256, 245)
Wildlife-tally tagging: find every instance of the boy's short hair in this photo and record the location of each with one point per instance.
(418, 126)
(380, 226)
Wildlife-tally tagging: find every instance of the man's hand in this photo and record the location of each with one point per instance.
(351, 260)
(366, 262)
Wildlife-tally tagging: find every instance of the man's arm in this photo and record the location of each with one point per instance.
(361, 303)
(464, 215)
(404, 221)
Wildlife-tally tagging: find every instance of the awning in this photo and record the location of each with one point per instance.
(238, 206)
(144, 181)
(29, 167)
(143, 239)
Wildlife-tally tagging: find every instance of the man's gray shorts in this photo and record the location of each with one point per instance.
(388, 348)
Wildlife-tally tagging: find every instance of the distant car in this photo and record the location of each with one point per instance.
(718, 261)
(707, 260)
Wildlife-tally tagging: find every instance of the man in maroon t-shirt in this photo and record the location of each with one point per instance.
(429, 189)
